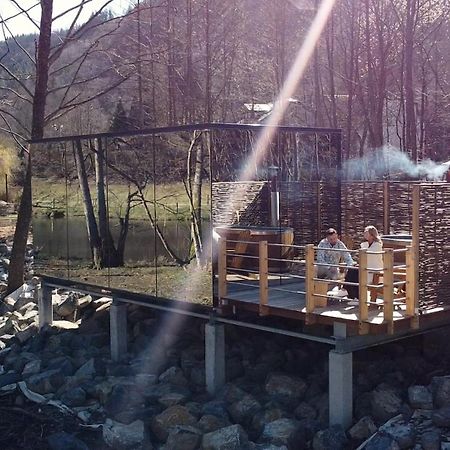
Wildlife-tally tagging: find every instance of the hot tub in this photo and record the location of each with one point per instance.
(243, 240)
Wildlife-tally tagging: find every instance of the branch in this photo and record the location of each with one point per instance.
(25, 12)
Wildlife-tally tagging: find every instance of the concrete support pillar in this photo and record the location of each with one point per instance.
(45, 306)
(118, 330)
(214, 357)
(340, 388)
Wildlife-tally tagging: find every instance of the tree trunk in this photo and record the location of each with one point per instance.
(91, 223)
(108, 253)
(17, 262)
(410, 113)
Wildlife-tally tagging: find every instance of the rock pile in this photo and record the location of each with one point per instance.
(275, 397)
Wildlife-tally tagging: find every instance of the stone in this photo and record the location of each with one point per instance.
(27, 333)
(332, 438)
(440, 387)
(441, 417)
(244, 409)
(63, 363)
(74, 397)
(431, 440)
(208, 423)
(172, 416)
(9, 378)
(262, 418)
(31, 368)
(233, 437)
(65, 441)
(123, 395)
(362, 429)
(30, 306)
(286, 388)
(46, 382)
(173, 375)
(183, 437)
(216, 408)
(305, 411)
(385, 403)
(119, 435)
(67, 306)
(403, 433)
(172, 398)
(284, 432)
(382, 441)
(65, 325)
(420, 397)
(84, 301)
(86, 371)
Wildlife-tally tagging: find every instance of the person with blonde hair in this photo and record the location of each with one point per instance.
(374, 245)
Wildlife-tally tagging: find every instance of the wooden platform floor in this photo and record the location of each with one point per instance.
(286, 299)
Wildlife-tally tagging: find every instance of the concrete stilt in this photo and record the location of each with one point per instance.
(45, 307)
(340, 388)
(118, 330)
(214, 357)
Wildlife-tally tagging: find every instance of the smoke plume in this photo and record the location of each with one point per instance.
(389, 162)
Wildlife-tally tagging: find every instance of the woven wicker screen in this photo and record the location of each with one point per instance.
(434, 247)
(308, 207)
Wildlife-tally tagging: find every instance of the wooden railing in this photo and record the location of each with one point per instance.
(398, 285)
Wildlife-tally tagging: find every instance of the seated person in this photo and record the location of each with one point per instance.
(372, 243)
(324, 256)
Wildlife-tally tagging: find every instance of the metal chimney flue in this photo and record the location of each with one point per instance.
(274, 196)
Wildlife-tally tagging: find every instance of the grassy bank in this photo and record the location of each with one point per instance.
(170, 200)
(171, 282)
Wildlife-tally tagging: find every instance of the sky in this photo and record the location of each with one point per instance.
(22, 25)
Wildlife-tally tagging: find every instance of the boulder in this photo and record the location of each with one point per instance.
(285, 388)
(403, 433)
(233, 437)
(173, 375)
(26, 333)
(9, 378)
(84, 301)
(420, 397)
(31, 368)
(244, 409)
(74, 397)
(385, 403)
(382, 441)
(121, 436)
(262, 418)
(172, 398)
(208, 423)
(284, 432)
(305, 411)
(362, 429)
(169, 418)
(45, 382)
(441, 417)
(440, 387)
(431, 440)
(332, 438)
(86, 371)
(65, 441)
(67, 306)
(183, 437)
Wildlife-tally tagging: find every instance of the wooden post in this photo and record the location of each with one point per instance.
(363, 276)
(388, 288)
(309, 281)
(386, 208)
(263, 278)
(410, 282)
(415, 243)
(222, 268)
